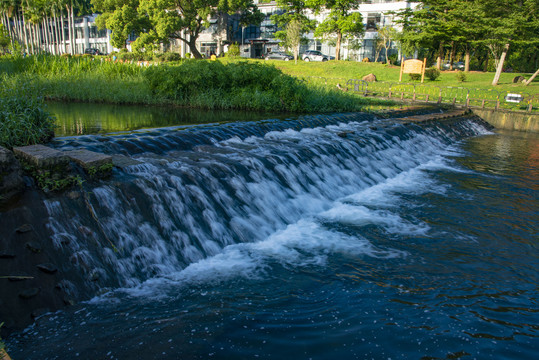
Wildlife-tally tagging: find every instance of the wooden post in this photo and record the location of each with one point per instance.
(483, 104)
(423, 70)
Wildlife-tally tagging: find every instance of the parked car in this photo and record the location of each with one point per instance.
(315, 55)
(93, 51)
(279, 56)
(456, 65)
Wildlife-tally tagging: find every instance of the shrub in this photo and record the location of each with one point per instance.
(432, 74)
(393, 59)
(461, 76)
(171, 56)
(23, 119)
(415, 77)
(233, 50)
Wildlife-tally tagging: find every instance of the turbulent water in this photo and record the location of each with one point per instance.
(326, 237)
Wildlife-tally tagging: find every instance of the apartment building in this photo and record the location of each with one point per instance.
(256, 41)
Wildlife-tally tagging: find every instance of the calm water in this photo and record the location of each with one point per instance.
(74, 119)
(337, 237)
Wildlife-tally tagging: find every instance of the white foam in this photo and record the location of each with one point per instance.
(304, 244)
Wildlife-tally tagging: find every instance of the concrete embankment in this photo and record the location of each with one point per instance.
(509, 120)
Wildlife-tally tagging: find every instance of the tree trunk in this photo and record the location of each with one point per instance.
(74, 29)
(531, 79)
(5, 18)
(452, 55)
(500, 65)
(25, 34)
(338, 46)
(63, 32)
(46, 35)
(193, 48)
(440, 54)
(56, 34)
(69, 29)
(467, 59)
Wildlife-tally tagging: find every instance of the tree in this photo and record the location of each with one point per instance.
(528, 82)
(341, 22)
(292, 11)
(433, 24)
(507, 23)
(385, 36)
(185, 19)
(293, 36)
(4, 39)
(121, 17)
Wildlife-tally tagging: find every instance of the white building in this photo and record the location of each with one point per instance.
(375, 14)
(256, 41)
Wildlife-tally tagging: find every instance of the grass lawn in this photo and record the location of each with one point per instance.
(344, 70)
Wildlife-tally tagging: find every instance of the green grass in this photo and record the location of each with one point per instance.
(356, 70)
(477, 85)
(23, 117)
(242, 84)
(203, 84)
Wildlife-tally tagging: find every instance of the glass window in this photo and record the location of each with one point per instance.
(373, 21)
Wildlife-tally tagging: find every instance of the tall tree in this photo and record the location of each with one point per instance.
(161, 20)
(293, 36)
(508, 23)
(386, 35)
(121, 17)
(293, 11)
(430, 25)
(341, 22)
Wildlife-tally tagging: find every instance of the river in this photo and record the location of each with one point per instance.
(322, 237)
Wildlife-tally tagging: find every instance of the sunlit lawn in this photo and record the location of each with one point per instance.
(356, 70)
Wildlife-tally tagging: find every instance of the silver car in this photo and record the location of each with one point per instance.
(278, 56)
(315, 55)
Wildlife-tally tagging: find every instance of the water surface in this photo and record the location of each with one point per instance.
(330, 237)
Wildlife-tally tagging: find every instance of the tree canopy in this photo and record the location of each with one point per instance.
(492, 24)
(341, 22)
(160, 20)
(293, 15)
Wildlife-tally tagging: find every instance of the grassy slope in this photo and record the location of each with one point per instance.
(356, 70)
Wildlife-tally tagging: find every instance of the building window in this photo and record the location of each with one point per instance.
(251, 32)
(208, 49)
(373, 21)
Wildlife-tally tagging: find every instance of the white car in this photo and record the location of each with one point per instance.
(315, 55)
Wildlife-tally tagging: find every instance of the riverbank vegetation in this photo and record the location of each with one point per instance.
(188, 83)
(23, 117)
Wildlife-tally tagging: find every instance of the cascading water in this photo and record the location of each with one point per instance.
(178, 207)
(217, 225)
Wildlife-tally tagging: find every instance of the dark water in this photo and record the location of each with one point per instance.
(337, 237)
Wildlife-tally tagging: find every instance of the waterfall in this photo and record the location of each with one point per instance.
(203, 197)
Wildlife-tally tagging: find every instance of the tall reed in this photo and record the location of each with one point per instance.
(23, 116)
